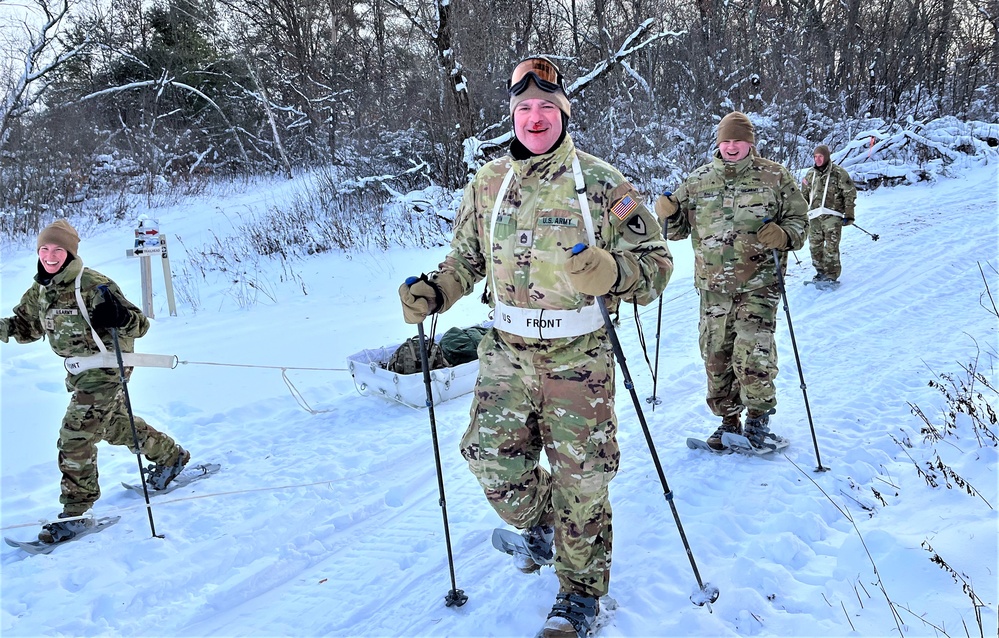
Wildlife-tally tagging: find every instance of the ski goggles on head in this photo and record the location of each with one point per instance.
(545, 74)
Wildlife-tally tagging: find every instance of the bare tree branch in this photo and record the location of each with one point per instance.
(161, 84)
(40, 60)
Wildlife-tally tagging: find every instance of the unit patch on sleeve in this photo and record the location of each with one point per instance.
(637, 225)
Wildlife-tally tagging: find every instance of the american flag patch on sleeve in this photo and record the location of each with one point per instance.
(623, 207)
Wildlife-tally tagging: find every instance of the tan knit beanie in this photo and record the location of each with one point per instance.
(736, 126)
(62, 234)
(532, 92)
(824, 151)
(557, 98)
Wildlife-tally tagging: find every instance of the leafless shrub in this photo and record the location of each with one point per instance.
(965, 395)
(976, 602)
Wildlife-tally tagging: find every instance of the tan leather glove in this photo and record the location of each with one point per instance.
(420, 297)
(772, 236)
(592, 270)
(666, 206)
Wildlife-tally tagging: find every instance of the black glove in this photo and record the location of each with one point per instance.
(110, 313)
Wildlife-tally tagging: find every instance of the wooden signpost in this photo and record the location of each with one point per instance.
(149, 242)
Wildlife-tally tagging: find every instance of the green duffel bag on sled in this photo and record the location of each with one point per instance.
(460, 344)
(455, 347)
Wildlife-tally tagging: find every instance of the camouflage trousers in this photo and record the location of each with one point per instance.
(824, 233)
(553, 396)
(94, 416)
(736, 337)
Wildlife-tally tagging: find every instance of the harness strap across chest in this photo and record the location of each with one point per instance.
(105, 359)
(83, 312)
(822, 210)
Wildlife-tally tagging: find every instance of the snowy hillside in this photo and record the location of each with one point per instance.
(328, 523)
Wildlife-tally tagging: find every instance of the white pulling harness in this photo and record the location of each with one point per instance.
(105, 359)
(822, 210)
(537, 323)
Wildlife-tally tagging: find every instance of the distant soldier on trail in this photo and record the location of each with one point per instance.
(831, 197)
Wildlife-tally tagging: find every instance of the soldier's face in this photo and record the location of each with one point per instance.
(52, 257)
(734, 150)
(820, 159)
(537, 124)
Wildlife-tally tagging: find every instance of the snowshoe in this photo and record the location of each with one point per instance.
(757, 437)
(823, 282)
(828, 284)
(190, 474)
(43, 547)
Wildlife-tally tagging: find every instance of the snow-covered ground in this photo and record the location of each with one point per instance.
(329, 523)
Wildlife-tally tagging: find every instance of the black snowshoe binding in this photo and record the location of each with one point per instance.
(572, 616)
(540, 543)
(64, 530)
(159, 476)
(757, 431)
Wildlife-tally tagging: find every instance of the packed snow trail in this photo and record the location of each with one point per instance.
(330, 524)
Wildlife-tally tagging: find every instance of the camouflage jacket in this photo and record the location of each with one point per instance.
(721, 206)
(540, 221)
(50, 310)
(841, 194)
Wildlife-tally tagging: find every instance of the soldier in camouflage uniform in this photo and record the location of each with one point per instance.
(546, 378)
(736, 211)
(65, 306)
(831, 196)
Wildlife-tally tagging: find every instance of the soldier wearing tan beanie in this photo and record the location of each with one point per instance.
(81, 313)
(832, 197)
(742, 213)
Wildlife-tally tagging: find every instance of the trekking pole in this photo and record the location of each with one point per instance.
(797, 359)
(707, 593)
(873, 236)
(654, 399)
(109, 297)
(455, 596)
